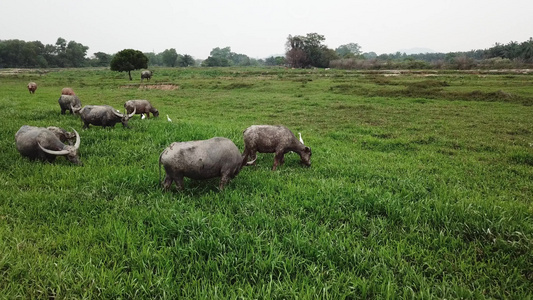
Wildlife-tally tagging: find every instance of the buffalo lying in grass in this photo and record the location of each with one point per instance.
(41, 143)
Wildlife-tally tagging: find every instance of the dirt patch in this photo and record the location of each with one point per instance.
(9, 72)
(163, 87)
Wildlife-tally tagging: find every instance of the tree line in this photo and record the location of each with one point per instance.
(309, 51)
(17, 53)
(63, 54)
(301, 51)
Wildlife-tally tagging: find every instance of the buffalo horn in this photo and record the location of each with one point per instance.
(133, 113)
(60, 152)
(75, 109)
(118, 114)
(77, 144)
(251, 162)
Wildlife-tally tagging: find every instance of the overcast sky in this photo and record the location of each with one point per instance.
(260, 28)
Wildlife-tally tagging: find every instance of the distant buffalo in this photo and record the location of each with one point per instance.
(69, 102)
(141, 107)
(67, 91)
(32, 87)
(146, 75)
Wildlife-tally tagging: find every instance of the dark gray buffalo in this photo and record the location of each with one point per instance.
(141, 107)
(146, 75)
(41, 143)
(102, 115)
(216, 157)
(273, 139)
(69, 102)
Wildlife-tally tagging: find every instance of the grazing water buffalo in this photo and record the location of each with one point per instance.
(63, 135)
(67, 91)
(41, 143)
(102, 115)
(142, 107)
(146, 75)
(273, 139)
(216, 157)
(32, 87)
(69, 102)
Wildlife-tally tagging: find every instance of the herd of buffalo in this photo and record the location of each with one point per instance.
(203, 159)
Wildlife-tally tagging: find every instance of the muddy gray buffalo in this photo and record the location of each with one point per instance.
(216, 157)
(102, 115)
(69, 102)
(273, 139)
(146, 75)
(41, 143)
(141, 107)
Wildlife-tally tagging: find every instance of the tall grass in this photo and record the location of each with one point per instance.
(417, 189)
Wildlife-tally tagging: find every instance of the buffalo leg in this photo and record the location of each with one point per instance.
(277, 160)
(223, 181)
(167, 182)
(179, 183)
(245, 155)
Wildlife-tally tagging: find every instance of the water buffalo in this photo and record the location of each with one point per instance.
(146, 74)
(273, 139)
(67, 91)
(216, 157)
(69, 102)
(41, 143)
(63, 135)
(142, 107)
(32, 87)
(102, 115)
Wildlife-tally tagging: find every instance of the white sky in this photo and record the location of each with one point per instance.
(260, 28)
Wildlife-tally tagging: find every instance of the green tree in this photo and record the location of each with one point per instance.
(101, 59)
(350, 50)
(370, 55)
(170, 57)
(218, 57)
(216, 62)
(224, 53)
(128, 60)
(186, 61)
(154, 59)
(75, 54)
(60, 52)
(527, 50)
(240, 59)
(275, 61)
(305, 51)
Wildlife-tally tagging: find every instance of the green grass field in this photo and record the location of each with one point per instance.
(421, 186)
